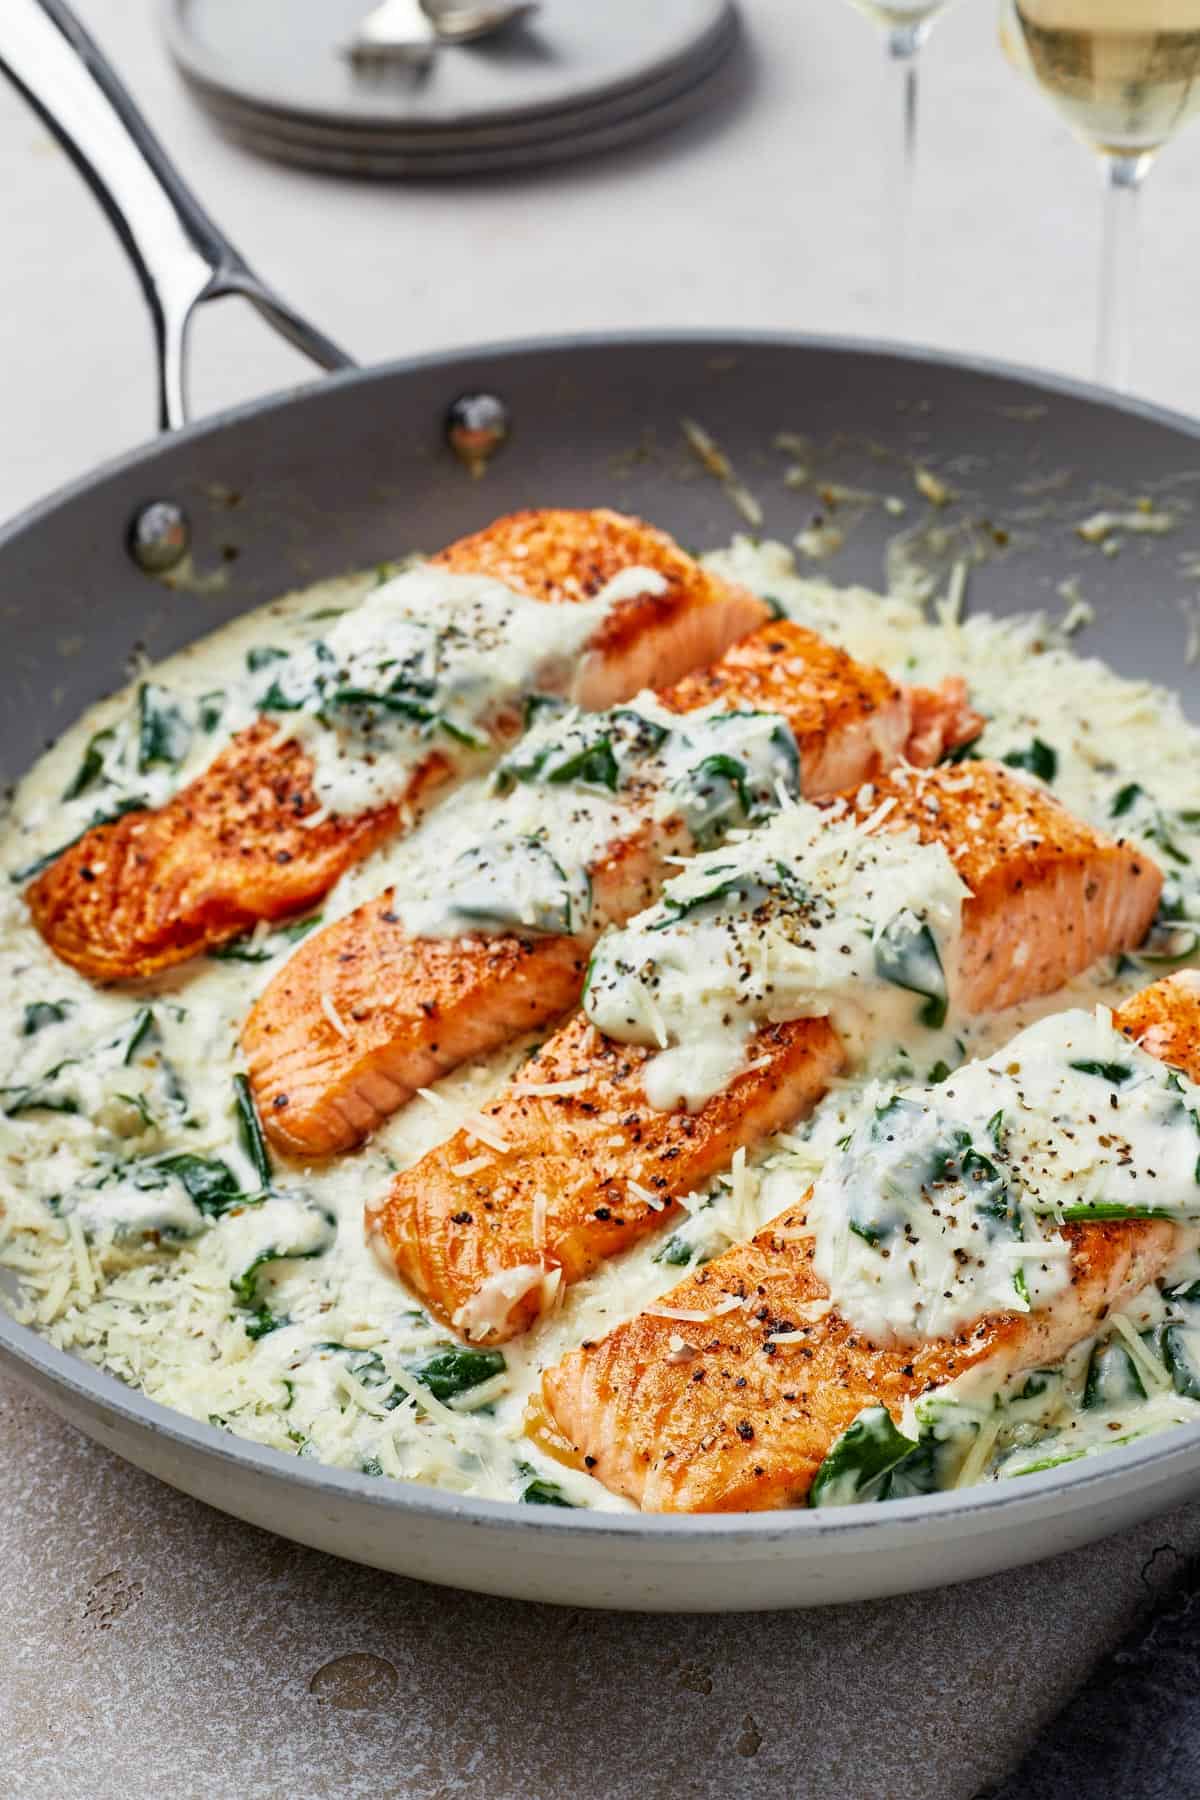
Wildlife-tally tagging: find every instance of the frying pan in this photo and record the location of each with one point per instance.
(348, 472)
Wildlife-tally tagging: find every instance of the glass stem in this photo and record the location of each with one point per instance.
(1123, 177)
(903, 44)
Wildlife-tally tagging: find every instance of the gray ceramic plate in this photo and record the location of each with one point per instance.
(348, 472)
(282, 61)
(613, 123)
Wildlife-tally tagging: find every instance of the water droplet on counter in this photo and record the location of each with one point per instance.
(749, 1741)
(358, 1682)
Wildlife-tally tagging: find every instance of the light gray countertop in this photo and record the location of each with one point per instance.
(149, 1645)
(767, 218)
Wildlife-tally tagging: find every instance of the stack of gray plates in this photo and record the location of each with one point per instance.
(579, 76)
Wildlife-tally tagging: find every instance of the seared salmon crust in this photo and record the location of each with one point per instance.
(1049, 896)
(235, 845)
(737, 1413)
(409, 1009)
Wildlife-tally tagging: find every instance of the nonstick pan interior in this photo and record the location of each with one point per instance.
(985, 468)
(356, 469)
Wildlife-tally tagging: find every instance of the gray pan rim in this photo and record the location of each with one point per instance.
(23, 1352)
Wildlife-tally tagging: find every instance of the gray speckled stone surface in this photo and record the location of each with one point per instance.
(149, 1646)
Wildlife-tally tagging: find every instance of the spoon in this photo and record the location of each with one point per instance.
(394, 31)
(411, 30)
(456, 23)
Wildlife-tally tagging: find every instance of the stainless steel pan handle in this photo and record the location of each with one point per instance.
(181, 256)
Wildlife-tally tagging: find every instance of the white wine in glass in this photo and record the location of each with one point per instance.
(1125, 74)
(906, 25)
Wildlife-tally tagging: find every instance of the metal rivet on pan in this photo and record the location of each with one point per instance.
(477, 426)
(159, 536)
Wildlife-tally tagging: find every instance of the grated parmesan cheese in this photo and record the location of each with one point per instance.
(334, 1017)
(162, 1317)
(476, 1126)
(472, 1166)
(692, 1316)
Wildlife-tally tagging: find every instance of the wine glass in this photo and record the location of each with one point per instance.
(1125, 74)
(906, 25)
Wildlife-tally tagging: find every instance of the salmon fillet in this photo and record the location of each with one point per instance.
(560, 556)
(233, 847)
(711, 1416)
(1049, 895)
(407, 1009)
(849, 720)
(582, 1175)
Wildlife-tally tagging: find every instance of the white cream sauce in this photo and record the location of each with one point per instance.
(943, 1204)
(482, 865)
(358, 1375)
(520, 851)
(811, 916)
(424, 659)
(430, 660)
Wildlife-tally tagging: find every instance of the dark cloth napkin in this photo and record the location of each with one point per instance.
(1132, 1732)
